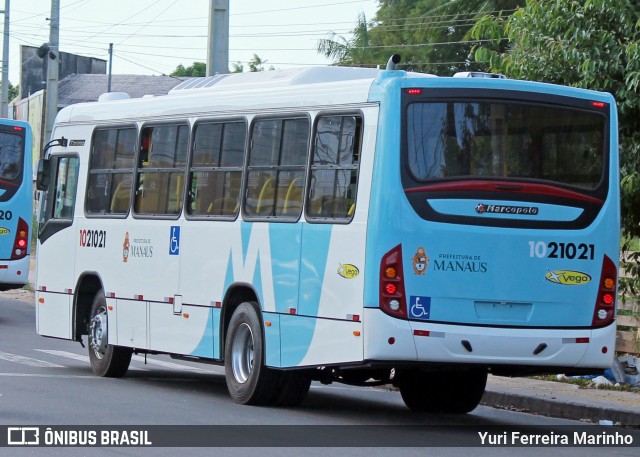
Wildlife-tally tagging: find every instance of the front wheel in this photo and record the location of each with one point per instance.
(249, 381)
(106, 360)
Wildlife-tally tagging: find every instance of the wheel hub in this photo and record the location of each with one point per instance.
(98, 333)
(242, 353)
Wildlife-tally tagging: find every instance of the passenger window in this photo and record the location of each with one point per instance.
(215, 175)
(161, 167)
(276, 170)
(334, 168)
(111, 171)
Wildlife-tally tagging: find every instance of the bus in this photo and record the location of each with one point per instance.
(16, 203)
(336, 224)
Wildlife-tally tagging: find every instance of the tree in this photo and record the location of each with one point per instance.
(592, 44)
(197, 69)
(257, 64)
(354, 52)
(430, 35)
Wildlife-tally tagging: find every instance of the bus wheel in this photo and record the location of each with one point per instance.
(455, 392)
(294, 387)
(106, 360)
(249, 381)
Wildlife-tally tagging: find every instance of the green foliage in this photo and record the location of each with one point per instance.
(197, 69)
(593, 44)
(430, 35)
(257, 64)
(200, 68)
(13, 91)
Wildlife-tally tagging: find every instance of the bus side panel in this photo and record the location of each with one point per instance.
(54, 314)
(333, 341)
(332, 277)
(131, 318)
(187, 332)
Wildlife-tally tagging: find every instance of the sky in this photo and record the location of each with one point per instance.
(152, 37)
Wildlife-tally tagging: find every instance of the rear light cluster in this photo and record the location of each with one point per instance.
(21, 242)
(605, 308)
(392, 297)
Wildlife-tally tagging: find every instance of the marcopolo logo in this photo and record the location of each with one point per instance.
(482, 208)
(567, 277)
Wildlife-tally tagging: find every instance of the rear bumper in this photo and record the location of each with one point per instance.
(14, 274)
(387, 338)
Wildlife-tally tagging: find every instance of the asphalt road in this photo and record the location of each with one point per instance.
(48, 382)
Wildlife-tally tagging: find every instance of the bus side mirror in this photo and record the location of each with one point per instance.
(44, 171)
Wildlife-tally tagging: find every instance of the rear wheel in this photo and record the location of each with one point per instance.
(455, 392)
(249, 381)
(106, 360)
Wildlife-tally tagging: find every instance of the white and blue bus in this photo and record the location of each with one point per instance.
(16, 202)
(337, 224)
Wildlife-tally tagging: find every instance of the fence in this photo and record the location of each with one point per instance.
(628, 336)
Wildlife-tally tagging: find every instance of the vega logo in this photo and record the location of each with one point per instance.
(567, 277)
(348, 271)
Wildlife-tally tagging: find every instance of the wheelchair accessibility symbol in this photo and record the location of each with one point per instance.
(174, 240)
(419, 307)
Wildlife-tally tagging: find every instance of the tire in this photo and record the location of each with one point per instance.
(453, 392)
(294, 387)
(249, 381)
(106, 360)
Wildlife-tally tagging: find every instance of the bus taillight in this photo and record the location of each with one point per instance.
(392, 298)
(604, 311)
(21, 241)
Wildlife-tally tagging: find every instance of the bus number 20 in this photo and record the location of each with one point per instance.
(554, 250)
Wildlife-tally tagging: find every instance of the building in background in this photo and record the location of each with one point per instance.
(33, 69)
(82, 88)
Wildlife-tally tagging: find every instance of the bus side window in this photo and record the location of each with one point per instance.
(110, 171)
(216, 169)
(276, 168)
(161, 167)
(334, 168)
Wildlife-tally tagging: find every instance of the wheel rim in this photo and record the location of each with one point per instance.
(98, 332)
(242, 353)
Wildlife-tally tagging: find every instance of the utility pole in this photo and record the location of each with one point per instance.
(110, 63)
(53, 64)
(218, 43)
(4, 108)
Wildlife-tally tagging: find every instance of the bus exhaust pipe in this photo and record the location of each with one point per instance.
(393, 62)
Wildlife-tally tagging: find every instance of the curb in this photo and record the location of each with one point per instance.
(559, 409)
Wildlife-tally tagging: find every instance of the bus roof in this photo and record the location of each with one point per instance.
(306, 87)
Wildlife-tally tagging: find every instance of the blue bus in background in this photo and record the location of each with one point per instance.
(16, 202)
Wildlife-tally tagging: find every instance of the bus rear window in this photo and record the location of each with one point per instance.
(498, 140)
(11, 152)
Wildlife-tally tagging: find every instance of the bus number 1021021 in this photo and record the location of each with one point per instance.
(554, 250)
(93, 238)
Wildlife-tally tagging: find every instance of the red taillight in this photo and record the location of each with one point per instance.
(414, 91)
(21, 241)
(18, 129)
(392, 298)
(598, 104)
(605, 308)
